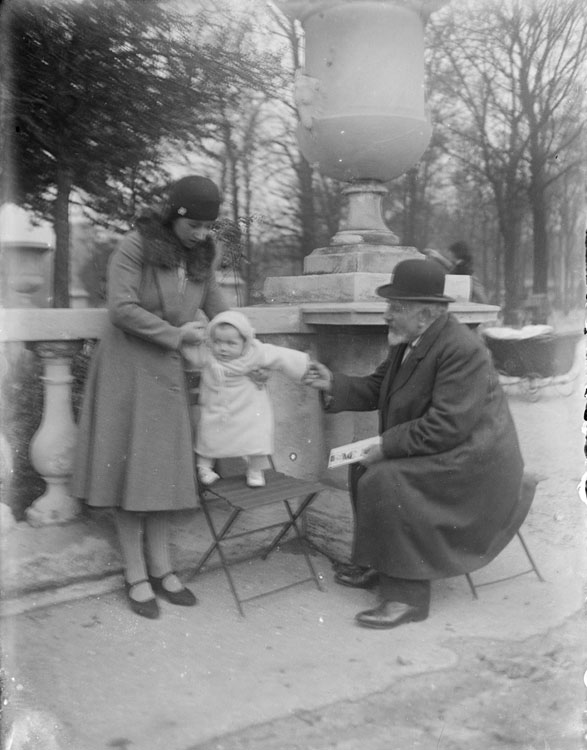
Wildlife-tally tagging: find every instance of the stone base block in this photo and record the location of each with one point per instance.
(340, 287)
(359, 257)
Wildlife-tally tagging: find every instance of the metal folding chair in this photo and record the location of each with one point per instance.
(527, 491)
(233, 494)
(531, 569)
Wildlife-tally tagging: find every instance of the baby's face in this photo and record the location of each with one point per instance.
(226, 342)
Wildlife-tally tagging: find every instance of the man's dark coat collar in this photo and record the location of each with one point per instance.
(400, 373)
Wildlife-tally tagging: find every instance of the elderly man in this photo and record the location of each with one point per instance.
(439, 495)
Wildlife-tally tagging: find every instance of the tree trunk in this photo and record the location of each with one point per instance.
(61, 261)
(540, 269)
(513, 313)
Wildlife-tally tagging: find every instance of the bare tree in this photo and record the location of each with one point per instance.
(97, 91)
(549, 47)
(508, 73)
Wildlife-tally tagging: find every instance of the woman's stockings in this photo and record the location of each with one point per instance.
(130, 534)
(154, 527)
(157, 549)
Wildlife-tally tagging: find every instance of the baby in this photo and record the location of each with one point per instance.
(236, 417)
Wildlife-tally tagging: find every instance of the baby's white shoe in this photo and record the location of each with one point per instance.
(207, 476)
(255, 478)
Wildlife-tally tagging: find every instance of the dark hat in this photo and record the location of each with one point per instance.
(193, 197)
(417, 281)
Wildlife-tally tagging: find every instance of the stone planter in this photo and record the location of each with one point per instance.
(24, 271)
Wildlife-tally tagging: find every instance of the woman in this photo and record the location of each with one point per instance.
(134, 450)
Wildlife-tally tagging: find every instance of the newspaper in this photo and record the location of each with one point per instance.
(351, 453)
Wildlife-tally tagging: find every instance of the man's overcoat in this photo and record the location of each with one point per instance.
(446, 499)
(135, 445)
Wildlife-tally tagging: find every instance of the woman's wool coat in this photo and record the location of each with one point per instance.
(446, 498)
(135, 444)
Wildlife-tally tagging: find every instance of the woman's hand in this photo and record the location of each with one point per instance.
(259, 376)
(318, 376)
(373, 455)
(193, 332)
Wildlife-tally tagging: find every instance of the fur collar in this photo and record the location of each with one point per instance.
(161, 248)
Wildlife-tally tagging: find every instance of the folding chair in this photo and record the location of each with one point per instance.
(532, 569)
(527, 491)
(233, 493)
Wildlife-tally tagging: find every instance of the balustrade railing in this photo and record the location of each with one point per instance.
(55, 335)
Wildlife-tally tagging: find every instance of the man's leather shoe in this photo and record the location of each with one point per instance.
(391, 614)
(358, 578)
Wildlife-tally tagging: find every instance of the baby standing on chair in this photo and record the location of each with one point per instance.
(236, 416)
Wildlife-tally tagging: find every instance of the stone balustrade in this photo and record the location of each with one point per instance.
(55, 335)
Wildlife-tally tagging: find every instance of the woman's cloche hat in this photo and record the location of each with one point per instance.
(416, 280)
(193, 197)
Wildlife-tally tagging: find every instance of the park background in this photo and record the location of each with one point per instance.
(104, 102)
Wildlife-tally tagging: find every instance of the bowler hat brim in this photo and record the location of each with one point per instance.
(390, 292)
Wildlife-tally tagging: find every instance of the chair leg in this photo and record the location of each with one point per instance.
(226, 568)
(471, 586)
(287, 526)
(294, 516)
(218, 536)
(529, 556)
(533, 568)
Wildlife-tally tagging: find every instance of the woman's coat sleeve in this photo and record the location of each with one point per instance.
(125, 272)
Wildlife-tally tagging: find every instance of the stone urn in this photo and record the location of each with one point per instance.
(360, 99)
(362, 120)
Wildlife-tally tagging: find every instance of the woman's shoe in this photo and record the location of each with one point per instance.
(184, 597)
(149, 608)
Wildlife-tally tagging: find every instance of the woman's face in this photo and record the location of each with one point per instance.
(189, 231)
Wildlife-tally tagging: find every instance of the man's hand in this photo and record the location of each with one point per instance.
(373, 455)
(318, 376)
(193, 332)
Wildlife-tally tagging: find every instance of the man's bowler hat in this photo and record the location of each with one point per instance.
(416, 280)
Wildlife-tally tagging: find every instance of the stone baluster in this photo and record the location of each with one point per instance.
(51, 449)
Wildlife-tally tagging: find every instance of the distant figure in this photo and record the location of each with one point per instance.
(461, 264)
